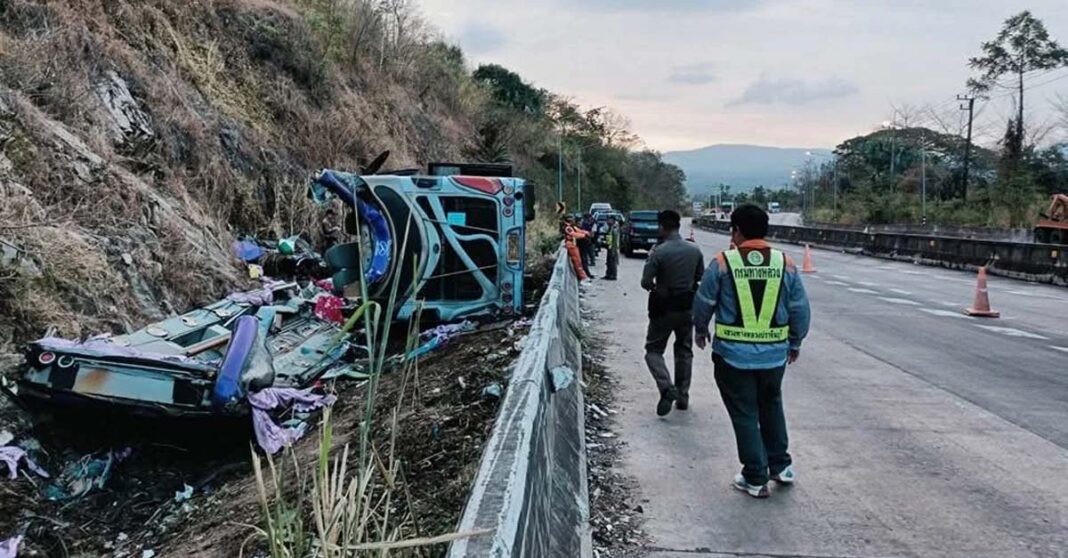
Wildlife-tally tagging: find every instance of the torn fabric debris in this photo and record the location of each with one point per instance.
(11, 455)
(10, 547)
(271, 436)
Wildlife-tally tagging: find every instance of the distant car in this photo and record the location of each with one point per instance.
(640, 232)
(598, 207)
(773, 207)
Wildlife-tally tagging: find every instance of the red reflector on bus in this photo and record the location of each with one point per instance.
(480, 183)
(46, 358)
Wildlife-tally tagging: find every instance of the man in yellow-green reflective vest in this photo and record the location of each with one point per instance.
(761, 316)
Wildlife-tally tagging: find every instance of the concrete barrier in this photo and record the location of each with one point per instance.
(530, 492)
(1046, 263)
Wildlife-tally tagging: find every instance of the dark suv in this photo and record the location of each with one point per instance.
(639, 232)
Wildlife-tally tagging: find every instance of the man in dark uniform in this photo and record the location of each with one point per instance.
(671, 275)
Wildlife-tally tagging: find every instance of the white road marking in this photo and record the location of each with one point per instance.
(943, 313)
(1036, 295)
(862, 291)
(913, 272)
(836, 283)
(951, 304)
(868, 283)
(1061, 349)
(1012, 332)
(840, 277)
(901, 292)
(899, 300)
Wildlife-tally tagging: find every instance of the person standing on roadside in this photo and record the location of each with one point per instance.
(761, 317)
(586, 245)
(612, 251)
(671, 274)
(572, 235)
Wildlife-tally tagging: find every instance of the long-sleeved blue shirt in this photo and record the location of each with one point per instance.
(717, 296)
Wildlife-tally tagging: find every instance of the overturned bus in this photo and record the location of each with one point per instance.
(450, 243)
(452, 240)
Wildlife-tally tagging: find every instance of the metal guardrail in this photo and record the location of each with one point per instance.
(530, 492)
(1036, 262)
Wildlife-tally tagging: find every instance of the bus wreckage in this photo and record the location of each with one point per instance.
(449, 244)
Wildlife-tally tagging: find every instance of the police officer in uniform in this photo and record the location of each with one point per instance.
(761, 316)
(612, 255)
(671, 274)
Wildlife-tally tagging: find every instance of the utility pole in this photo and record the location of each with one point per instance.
(834, 186)
(560, 167)
(579, 206)
(923, 179)
(970, 100)
(893, 158)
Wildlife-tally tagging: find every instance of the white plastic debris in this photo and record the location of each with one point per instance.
(184, 494)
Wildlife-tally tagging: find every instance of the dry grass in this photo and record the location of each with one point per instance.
(246, 98)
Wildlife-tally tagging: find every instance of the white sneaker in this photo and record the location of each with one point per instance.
(750, 489)
(586, 282)
(786, 476)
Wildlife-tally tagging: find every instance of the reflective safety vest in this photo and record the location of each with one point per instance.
(752, 327)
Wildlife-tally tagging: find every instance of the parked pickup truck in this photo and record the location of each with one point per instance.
(640, 232)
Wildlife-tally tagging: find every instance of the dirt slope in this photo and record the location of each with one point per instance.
(137, 137)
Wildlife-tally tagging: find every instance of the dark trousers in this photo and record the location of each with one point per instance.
(754, 403)
(661, 328)
(586, 251)
(611, 264)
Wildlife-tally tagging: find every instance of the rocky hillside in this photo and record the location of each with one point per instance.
(137, 137)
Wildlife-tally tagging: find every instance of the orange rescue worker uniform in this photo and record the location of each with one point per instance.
(571, 235)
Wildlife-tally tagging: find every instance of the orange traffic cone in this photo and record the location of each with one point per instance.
(806, 263)
(981, 306)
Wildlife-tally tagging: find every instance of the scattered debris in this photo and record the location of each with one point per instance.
(271, 436)
(10, 547)
(185, 494)
(82, 476)
(493, 391)
(11, 455)
(614, 517)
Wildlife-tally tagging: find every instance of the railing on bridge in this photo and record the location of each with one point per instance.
(1036, 262)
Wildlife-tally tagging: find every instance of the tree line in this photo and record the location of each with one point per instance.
(910, 173)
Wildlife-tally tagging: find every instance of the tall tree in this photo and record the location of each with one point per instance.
(1023, 45)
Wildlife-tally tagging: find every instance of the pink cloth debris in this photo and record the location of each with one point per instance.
(10, 547)
(329, 308)
(271, 436)
(11, 455)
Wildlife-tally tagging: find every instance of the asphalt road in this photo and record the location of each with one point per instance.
(916, 431)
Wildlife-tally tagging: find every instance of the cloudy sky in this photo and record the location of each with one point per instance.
(791, 73)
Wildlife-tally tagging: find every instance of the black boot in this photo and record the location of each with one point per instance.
(667, 397)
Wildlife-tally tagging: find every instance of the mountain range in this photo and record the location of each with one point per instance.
(742, 167)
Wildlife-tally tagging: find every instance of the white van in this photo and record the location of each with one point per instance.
(599, 206)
